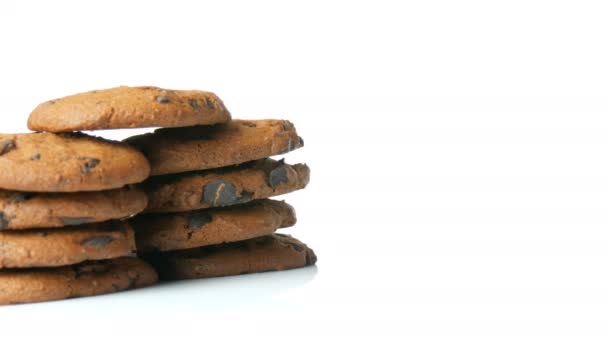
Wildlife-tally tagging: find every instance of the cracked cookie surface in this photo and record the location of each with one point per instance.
(274, 252)
(65, 246)
(70, 162)
(81, 280)
(27, 210)
(128, 107)
(164, 232)
(174, 150)
(224, 187)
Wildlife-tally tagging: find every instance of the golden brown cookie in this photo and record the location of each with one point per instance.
(274, 252)
(165, 232)
(47, 162)
(86, 279)
(223, 187)
(174, 150)
(25, 210)
(65, 246)
(129, 107)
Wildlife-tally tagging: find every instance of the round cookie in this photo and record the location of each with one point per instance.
(223, 187)
(165, 232)
(274, 252)
(65, 246)
(128, 107)
(47, 162)
(174, 150)
(86, 279)
(21, 210)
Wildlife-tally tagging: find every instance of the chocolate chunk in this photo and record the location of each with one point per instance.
(35, 156)
(219, 193)
(74, 221)
(198, 219)
(4, 221)
(301, 142)
(43, 234)
(209, 103)
(246, 196)
(98, 241)
(278, 176)
(162, 99)
(89, 163)
(194, 104)
(6, 146)
(51, 102)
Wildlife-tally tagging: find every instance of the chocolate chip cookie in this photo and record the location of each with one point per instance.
(174, 150)
(223, 187)
(25, 210)
(65, 246)
(47, 162)
(86, 279)
(129, 107)
(164, 232)
(274, 252)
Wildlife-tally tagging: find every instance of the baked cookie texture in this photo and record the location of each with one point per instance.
(27, 210)
(129, 107)
(224, 187)
(175, 150)
(47, 162)
(75, 209)
(274, 252)
(164, 232)
(86, 279)
(65, 246)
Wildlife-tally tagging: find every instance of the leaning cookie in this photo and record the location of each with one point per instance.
(65, 246)
(165, 232)
(47, 162)
(86, 279)
(223, 187)
(274, 252)
(129, 107)
(26, 210)
(174, 150)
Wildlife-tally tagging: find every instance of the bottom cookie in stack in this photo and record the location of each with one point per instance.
(89, 278)
(275, 252)
(55, 263)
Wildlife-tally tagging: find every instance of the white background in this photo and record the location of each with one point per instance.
(458, 148)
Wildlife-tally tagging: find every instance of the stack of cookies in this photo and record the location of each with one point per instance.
(67, 209)
(208, 213)
(59, 208)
